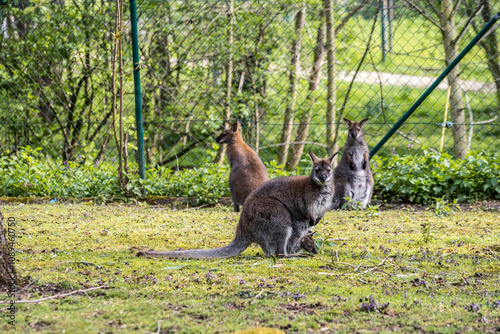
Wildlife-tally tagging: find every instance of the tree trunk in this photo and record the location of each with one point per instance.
(331, 111)
(303, 128)
(219, 159)
(293, 78)
(8, 274)
(490, 45)
(448, 31)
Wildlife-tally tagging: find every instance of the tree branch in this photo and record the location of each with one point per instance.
(349, 15)
(469, 21)
(424, 14)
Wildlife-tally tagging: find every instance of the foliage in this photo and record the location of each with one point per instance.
(420, 179)
(416, 179)
(55, 76)
(426, 232)
(443, 208)
(29, 175)
(322, 242)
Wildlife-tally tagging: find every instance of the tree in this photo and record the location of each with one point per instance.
(286, 133)
(8, 274)
(443, 16)
(490, 42)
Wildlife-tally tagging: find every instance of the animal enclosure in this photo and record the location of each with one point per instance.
(289, 71)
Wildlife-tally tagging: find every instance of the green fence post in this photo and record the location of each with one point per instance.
(429, 90)
(137, 89)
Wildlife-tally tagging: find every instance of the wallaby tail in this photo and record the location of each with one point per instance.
(237, 246)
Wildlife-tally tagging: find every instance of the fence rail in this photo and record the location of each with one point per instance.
(289, 71)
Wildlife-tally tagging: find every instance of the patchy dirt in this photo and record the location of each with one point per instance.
(30, 290)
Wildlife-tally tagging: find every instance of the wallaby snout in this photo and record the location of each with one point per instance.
(323, 176)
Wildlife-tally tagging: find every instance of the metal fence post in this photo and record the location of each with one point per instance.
(137, 89)
(429, 90)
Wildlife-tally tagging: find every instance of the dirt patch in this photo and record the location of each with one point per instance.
(303, 308)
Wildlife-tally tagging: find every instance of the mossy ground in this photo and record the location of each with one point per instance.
(431, 286)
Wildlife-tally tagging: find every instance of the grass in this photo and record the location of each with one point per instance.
(438, 273)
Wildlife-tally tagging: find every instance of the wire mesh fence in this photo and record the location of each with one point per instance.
(289, 71)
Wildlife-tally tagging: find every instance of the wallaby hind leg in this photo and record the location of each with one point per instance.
(340, 192)
(236, 207)
(278, 245)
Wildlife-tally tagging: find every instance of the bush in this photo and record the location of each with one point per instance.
(421, 179)
(416, 179)
(31, 175)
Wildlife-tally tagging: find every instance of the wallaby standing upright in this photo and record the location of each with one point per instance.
(277, 215)
(247, 170)
(353, 176)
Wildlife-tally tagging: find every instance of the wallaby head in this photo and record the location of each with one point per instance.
(322, 169)
(355, 128)
(227, 136)
(307, 243)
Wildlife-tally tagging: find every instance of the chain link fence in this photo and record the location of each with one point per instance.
(289, 71)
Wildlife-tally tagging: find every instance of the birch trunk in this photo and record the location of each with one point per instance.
(448, 31)
(293, 79)
(303, 128)
(219, 159)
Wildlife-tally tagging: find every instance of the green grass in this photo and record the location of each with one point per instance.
(428, 285)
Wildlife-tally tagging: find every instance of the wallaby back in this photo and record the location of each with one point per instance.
(353, 176)
(277, 215)
(247, 170)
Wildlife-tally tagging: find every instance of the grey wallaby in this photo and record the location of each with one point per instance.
(353, 176)
(277, 215)
(307, 243)
(247, 170)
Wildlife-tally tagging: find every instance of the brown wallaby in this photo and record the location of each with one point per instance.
(247, 170)
(277, 215)
(353, 176)
(307, 243)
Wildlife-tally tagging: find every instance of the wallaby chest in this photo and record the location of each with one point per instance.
(357, 156)
(322, 202)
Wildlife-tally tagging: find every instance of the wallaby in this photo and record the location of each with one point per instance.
(307, 243)
(277, 215)
(247, 170)
(353, 176)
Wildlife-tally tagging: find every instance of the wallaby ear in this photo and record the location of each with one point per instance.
(314, 158)
(330, 158)
(348, 121)
(235, 127)
(363, 122)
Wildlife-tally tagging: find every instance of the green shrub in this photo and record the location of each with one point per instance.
(416, 179)
(421, 179)
(30, 175)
